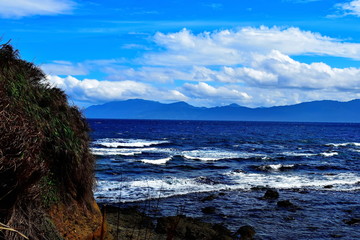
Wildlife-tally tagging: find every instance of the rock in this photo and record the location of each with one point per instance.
(328, 186)
(181, 227)
(271, 194)
(336, 236)
(246, 232)
(352, 221)
(209, 198)
(259, 188)
(286, 204)
(208, 210)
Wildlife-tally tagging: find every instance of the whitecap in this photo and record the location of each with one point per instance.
(142, 189)
(120, 142)
(298, 154)
(329, 154)
(156, 161)
(150, 188)
(216, 154)
(356, 144)
(275, 167)
(114, 152)
(341, 181)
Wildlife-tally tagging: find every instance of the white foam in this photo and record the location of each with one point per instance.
(344, 144)
(216, 154)
(147, 188)
(340, 181)
(329, 154)
(276, 167)
(143, 189)
(156, 161)
(298, 154)
(120, 142)
(114, 152)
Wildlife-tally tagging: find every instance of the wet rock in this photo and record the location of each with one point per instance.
(329, 186)
(222, 230)
(271, 194)
(246, 232)
(259, 188)
(208, 210)
(352, 221)
(286, 204)
(336, 236)
(209, 198)
(181, 227)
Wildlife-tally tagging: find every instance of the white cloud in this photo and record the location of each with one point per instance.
(350, 8)
(203, 90)
(64, 68)
(251, 66)
(92, 90)
(163, 74)
(237, 47)
(23, 8)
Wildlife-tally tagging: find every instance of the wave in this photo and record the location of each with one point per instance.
(114, 152)
(329, 154)
(216, 154)
(156, 161)
(120, 142)
(275, 167)
(143, 189)
(148, 188)
(356, 144)
(298, 154)
(341, 181)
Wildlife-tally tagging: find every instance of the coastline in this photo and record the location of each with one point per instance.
(132, 223)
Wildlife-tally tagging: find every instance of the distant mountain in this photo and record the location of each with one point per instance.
(317, 111)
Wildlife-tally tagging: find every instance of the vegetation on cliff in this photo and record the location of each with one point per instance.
(45, 162)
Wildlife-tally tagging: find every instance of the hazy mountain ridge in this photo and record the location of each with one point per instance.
(316, 111)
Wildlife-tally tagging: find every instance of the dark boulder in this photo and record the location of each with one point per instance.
(352, 221)
(181, 227)
(271, 194)
(246, 232)
(287, 204)
(208, 210)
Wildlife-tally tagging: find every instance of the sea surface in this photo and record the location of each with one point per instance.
(172, 167)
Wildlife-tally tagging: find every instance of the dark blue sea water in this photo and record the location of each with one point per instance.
(175, 164)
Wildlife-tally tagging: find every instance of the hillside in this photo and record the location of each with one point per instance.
(317, 111)
(47, 170)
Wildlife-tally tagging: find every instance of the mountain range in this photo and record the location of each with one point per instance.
(316, 111)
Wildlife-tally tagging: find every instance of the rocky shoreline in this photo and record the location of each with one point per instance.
(206, 217)
(132, 223)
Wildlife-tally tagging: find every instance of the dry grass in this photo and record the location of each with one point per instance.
(44, 149)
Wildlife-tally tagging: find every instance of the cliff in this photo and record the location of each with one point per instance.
(46, 168)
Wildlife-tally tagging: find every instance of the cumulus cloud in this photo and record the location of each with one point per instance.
(250, 66)
(350, 8)
(202, 90)
(92, 90)
(229, 47)
(23, 8)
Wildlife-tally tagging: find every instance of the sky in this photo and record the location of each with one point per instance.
(256, 53)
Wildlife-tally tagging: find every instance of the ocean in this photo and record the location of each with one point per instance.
(182, 167)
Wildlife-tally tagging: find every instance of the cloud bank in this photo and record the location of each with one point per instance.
(249, 66)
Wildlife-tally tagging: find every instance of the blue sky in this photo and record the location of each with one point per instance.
(207, 53)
